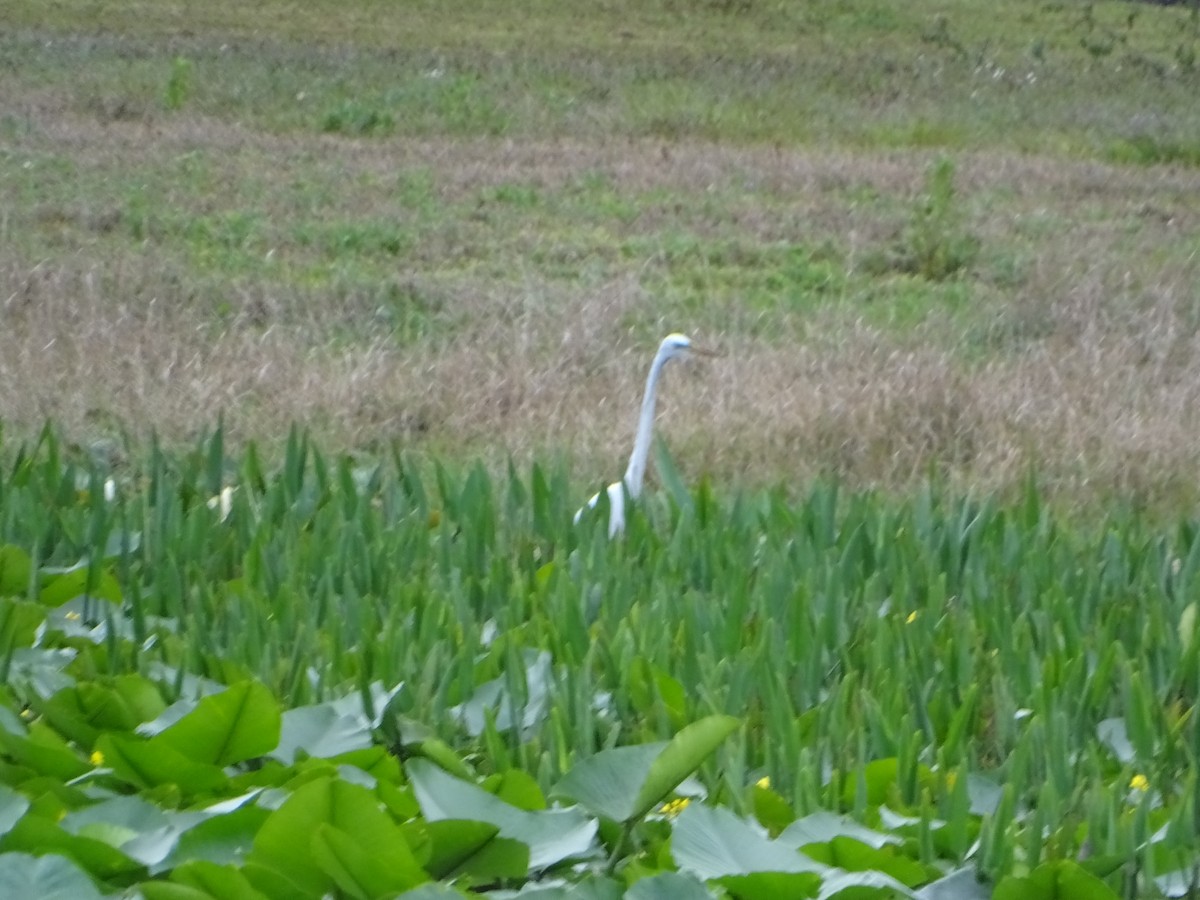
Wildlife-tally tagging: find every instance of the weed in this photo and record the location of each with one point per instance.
(935, 245)
(356, 118)
(179, 84)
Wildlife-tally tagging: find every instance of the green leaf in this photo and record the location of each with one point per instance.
(551, 835)
(771, 885)
(35, 834)
(454, 842)
(625, 783)
(668, 886)
(822, 827)
(683, 755)
(58, 586)
(608, 783)
(147, 764)
(361, 873)
(44, 752)
(321, 731)
(19, 623)
(16, 570)
(347, 807)
(46, 877)
(12, 807)
(711, 842)
(223, 839)
(220, 882)
(237, 724)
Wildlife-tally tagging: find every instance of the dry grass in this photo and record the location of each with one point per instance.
(1070, 346)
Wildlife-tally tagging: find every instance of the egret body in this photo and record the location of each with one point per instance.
(673, 346)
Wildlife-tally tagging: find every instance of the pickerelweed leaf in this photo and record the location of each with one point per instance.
(821, 827)
(352, 810)
(551, 835)
(668, 886)
(145, 764)
(711, 842)
(961, 884)
(16, 570)
(12, 807)
(608, 783)
(48, 876)
(221, 882)
(320, 731)
(238, 724)
(680, 758)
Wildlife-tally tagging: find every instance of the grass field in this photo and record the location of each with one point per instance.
(913, 590)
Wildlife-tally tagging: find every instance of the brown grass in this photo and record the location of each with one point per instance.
(1087, 364)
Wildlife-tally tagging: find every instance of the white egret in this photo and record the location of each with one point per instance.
(672, 346)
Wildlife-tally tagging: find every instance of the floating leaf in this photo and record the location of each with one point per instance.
(551, 835)
(238, 724)
(46, 877)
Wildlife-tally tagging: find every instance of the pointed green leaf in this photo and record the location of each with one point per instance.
(46, 877)
(711, 842)
(362, 873)
(682, 756)
(608, 783)
(146, 764)
(551, 835)
(237, 724)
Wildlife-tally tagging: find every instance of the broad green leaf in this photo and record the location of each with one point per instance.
(237, 724)
(362, 873)
(44, 752)
(12, 807)
(668, 886)
(169, 890)
(46, 877)
(711, 842)
(608, 783)
(822, 827)
(219, 882)
(771, 885)
(16, 569)
(146, 764)
(454, 842)
(551, 835)
(320, 731)
(223, 839)
(962, 884)
(19, 623)
(434, 892)
(57, 586)
(325, 801)
(34, 834)
(682, 756)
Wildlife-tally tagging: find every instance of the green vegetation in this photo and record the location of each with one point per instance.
(387, 672)
(951, 252)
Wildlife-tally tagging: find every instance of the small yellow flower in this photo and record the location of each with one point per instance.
(27, 714)
(672, 808)
(1139, 782)
(912, 617)
(764, 782)
(73, 616)
(97, 758)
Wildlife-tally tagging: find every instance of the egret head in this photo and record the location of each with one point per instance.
(681, 346)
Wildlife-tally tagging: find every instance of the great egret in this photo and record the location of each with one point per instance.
(672, 346)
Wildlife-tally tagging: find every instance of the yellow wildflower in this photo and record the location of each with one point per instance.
(912, 617)
(27, 714)
(672, 808)
(97, 758)
(764, 782)
(1139, 782)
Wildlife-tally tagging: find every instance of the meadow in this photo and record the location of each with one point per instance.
(319, 321)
